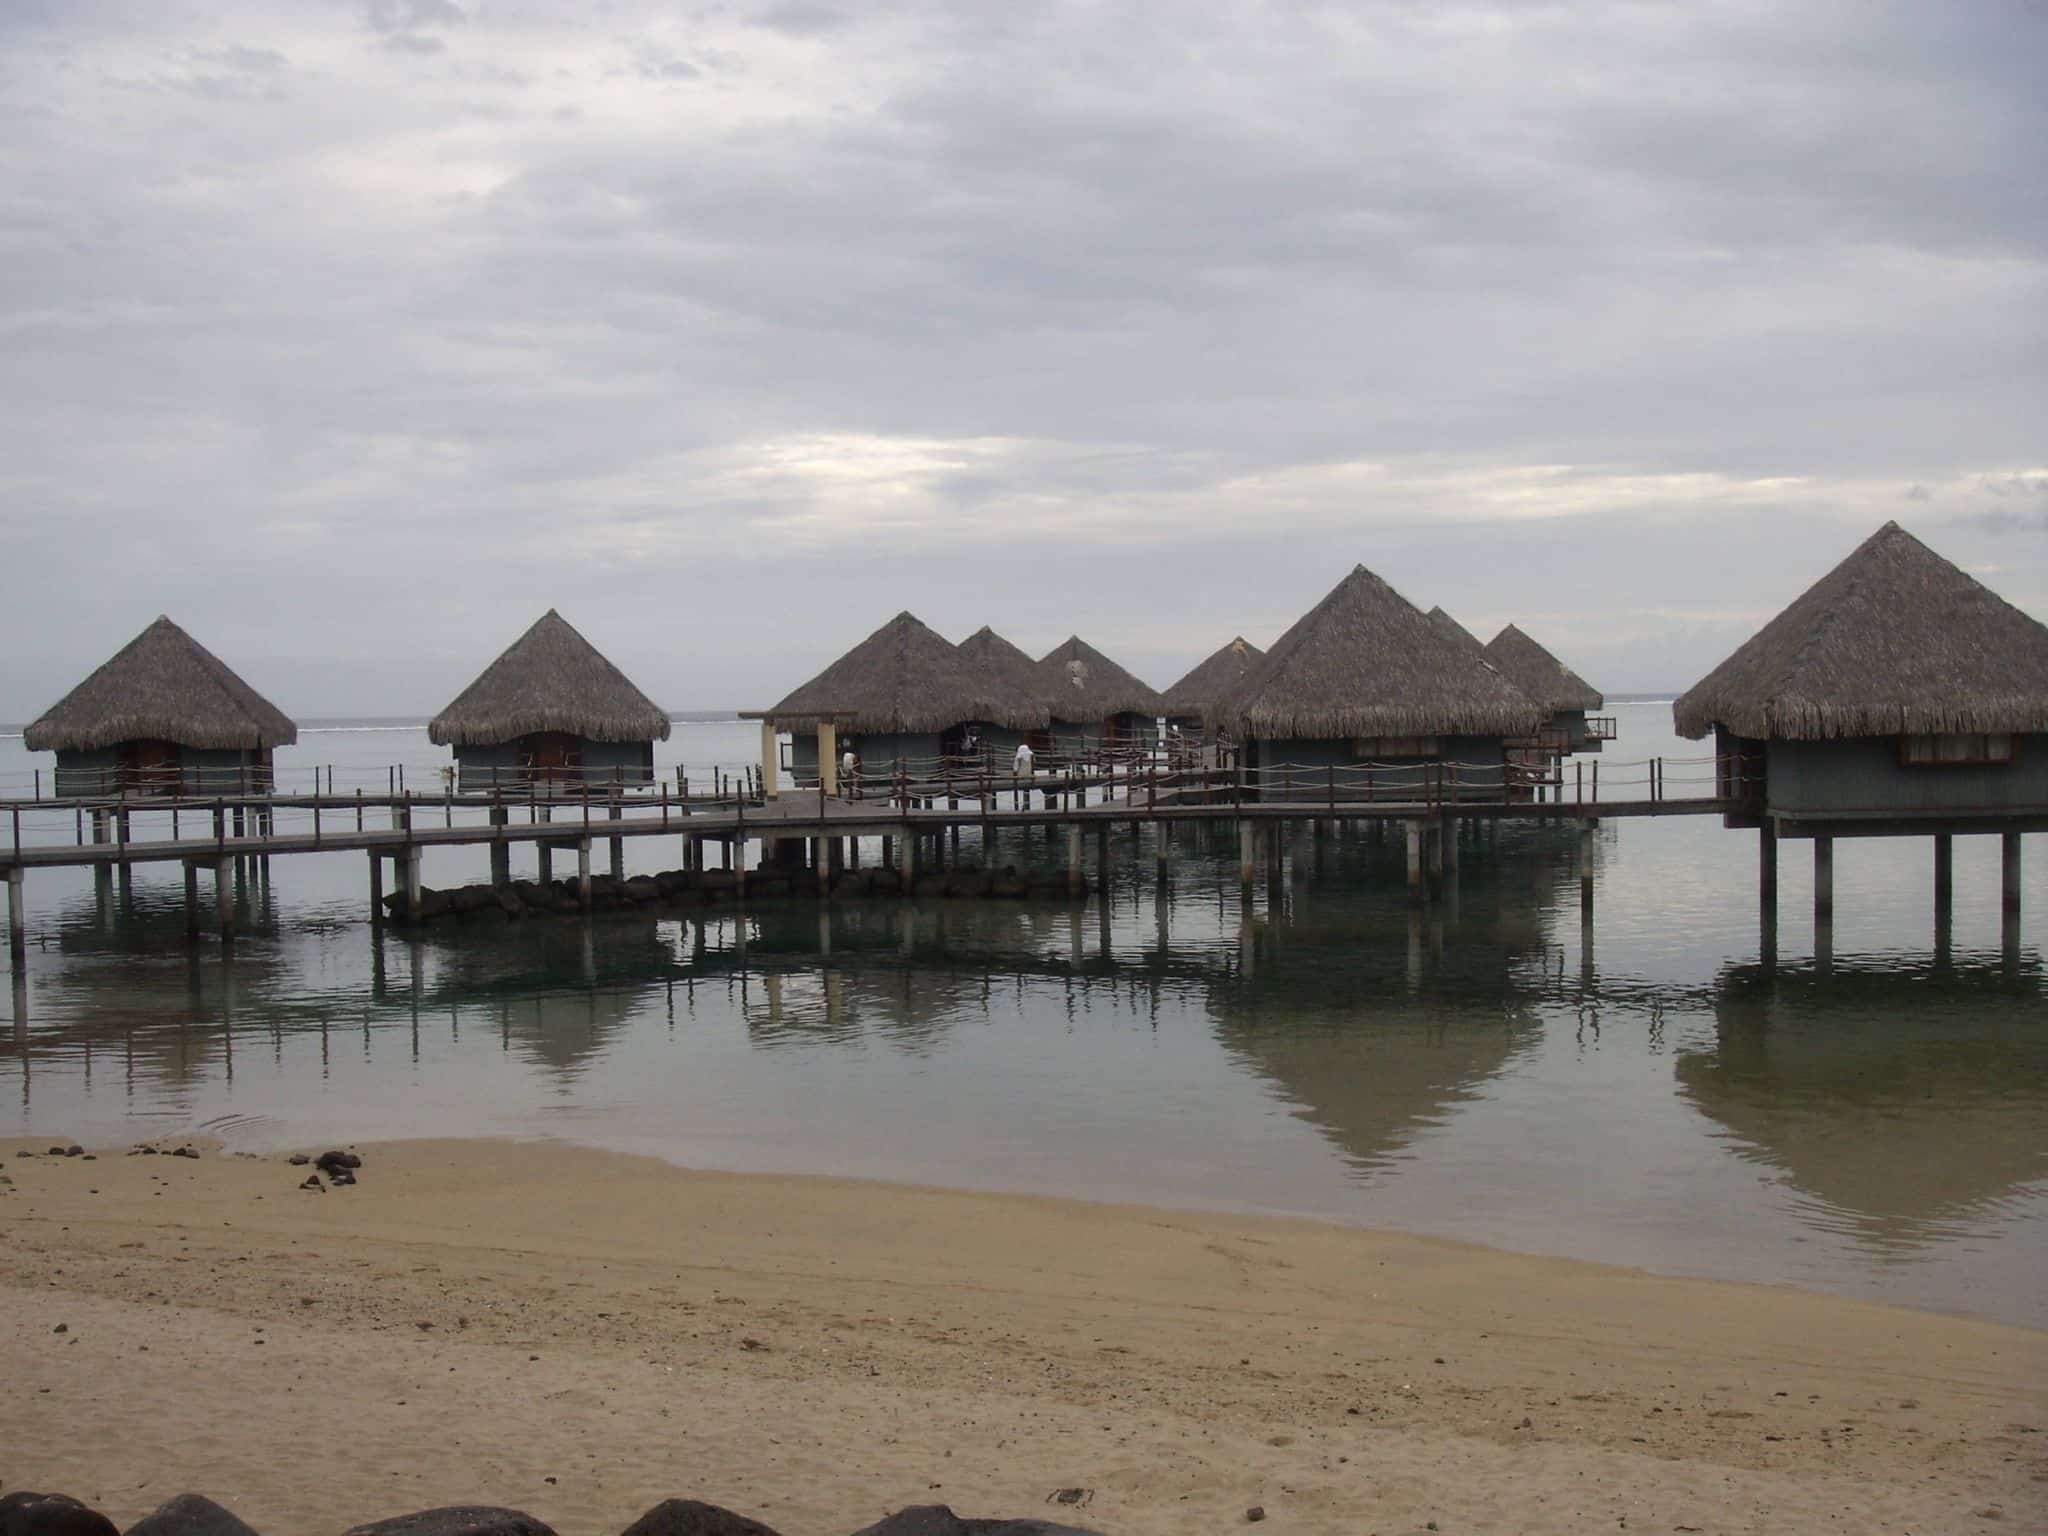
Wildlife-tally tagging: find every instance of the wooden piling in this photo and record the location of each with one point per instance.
(2009, 872)
(1416, 887)
(1586, 871)
(1767, 869)
(411, 862)
(191, 900)
(376, 887)
(1077, 879)
(1247, 854)
(617, 812)
(224, 897)
(1823, 879)
(17, 917)
(583, 870)
(501, 851)
(1944, 877)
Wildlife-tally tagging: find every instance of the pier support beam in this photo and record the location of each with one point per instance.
(1586, 871)
(224, 897)
(501, 851)
(1077, 879)
(1823, 879)
(409, 861)
(1415, 873)
(1247, 853)
(2009, 873)
(1944, 879)
(771, 762)
(583, 870)
(17, 918)
(828, 757)
(1767, 870)
(376, 888)
(906, 858)
(192, 899)
(618, 848)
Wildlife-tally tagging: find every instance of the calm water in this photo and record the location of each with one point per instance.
(1651, 1094)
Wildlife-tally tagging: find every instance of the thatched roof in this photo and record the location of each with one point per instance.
(1084, 684)
(1455, 632)
(1367, 662)
(1539, 674)
(162, 686)
(549, 679)
(1010, 670)
(904, 678)
(1893, 641)
(1212, 679)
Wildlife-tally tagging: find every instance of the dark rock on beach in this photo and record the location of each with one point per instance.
(939, 1520)
(51, 1514)
(456, 1520)
(687, 1517)
(328, 1162)
(190, 1515)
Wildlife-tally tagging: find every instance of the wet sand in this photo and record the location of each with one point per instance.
(581, 1334)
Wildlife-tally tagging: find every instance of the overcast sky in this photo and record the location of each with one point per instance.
(353, 334)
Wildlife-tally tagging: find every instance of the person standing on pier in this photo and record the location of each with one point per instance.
(849, 773)
(1020, 767)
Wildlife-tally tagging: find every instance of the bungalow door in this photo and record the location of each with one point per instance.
(550, 757)
(149, 767)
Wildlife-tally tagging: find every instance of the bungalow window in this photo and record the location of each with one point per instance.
(1380, 749)
(1956, 749)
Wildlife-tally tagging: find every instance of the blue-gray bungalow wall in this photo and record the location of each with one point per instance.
(482, 765)
(200, 771)
(1863, 776)
(1297, 768)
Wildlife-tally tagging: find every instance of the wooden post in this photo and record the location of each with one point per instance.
(1824, 900)
(1247, 853)
(17, 918)
(1077, 879)
(1161, 845)
(224, 897)
(1102, 855)
(583, 870)
(1447, 837)
(1944, 877)
(618, 848)
(828, 757)
(906, 858)
(771, 766)
(2009, 875)
(412, 882)
(544, 854)
(501, 851)
(1415, 880)
(1767, 869)
(1585, 870)
(376, 887)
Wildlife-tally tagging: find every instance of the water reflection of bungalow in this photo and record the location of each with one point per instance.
(1896, 695)
(1094, 700)
(1902, 1101)
(1188, 701)
(1574, 724)
(1365, 677)
(905, 695)
(163, 715)
(1014, 676)
(551, 709)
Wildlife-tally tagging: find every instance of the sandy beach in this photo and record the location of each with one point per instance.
(580, 1335)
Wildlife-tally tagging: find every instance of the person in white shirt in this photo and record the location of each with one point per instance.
(1020, 766)
(849, 773)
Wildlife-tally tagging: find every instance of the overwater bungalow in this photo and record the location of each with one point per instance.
(1455, 632)
(1897, 694)
(1014, 676)
(904, 696)
(162, 716)
(1574, 723)
(1188, 700)
(1364, 678)
(551, 711)
(1093, 700)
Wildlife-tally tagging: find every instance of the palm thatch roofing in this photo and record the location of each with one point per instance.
(549, 679)
(1455, 632)
(1539, 674)
(1893, 641)
(1367, 662)
(162, 686)
(904, 678)
(1083, 684)
(1210, 680)
(1011, 670)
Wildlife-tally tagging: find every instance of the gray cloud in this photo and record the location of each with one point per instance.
(1143, 321)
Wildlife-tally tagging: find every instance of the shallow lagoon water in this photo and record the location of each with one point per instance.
(1654, 1093)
